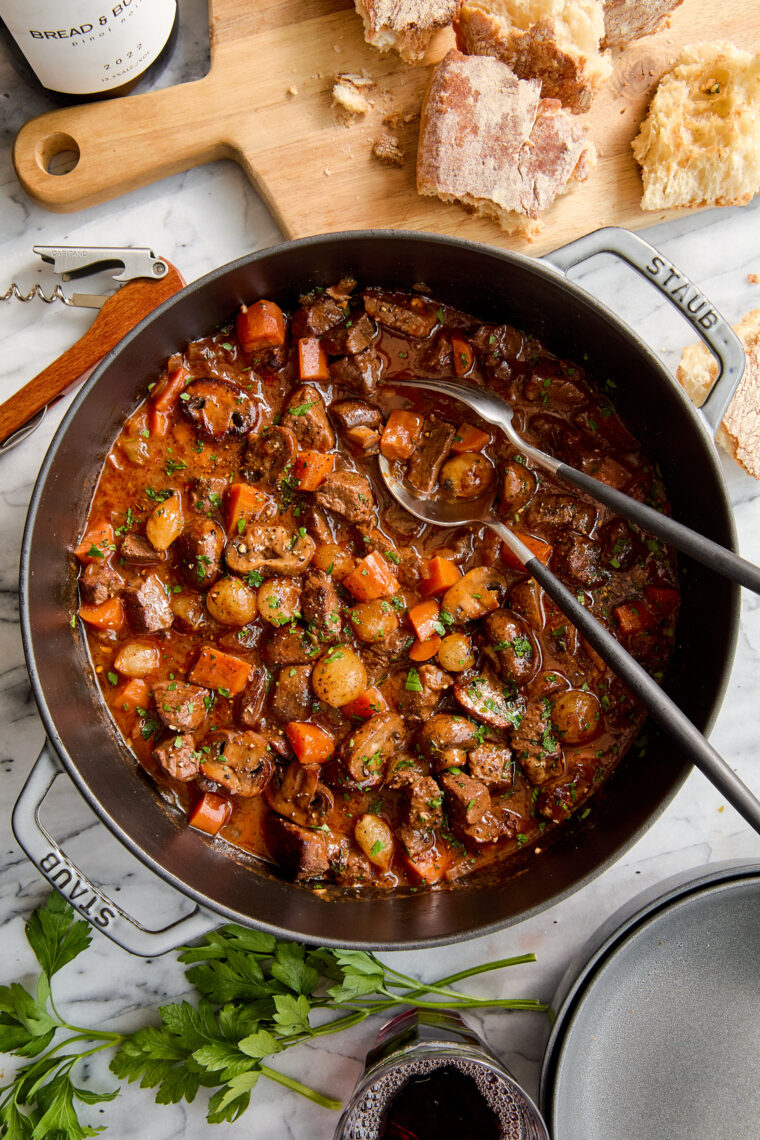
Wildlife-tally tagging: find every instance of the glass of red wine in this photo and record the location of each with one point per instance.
(430, 1077)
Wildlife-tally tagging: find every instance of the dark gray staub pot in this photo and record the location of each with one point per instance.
(532, 294)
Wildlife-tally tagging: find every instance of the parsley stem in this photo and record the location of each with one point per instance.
(303, 1090)
(519, 960)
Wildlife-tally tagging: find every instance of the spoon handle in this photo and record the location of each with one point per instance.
(659, 704)
(701, 549)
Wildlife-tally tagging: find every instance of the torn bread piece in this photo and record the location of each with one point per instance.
(699, 144)
(350, 93)
(556, 41)
(626, 20)
(489, 141)
(739, 432)
(406, 26)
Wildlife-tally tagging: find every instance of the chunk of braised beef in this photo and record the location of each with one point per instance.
(99, 582)
(416, 841)
(362, 372)
(289, 645)
(418, 690)
(402, 770)
(299, 794)
(270, 455)
(178, 757)
(147, 604)
(380, 655)
(318, 312)
(414, 317)
(359, 424)
(534, 743)
(579, 558)
(492, 765)
(557, 512)
(496, 823)
(218, 408)
(467, 800)
(290, 697)
(557, 801)
(301, 853)
(136, 550)
(268, 550)
(619, 544)
(200, 548)
(240, 762)
(366, 750)
(314, 519)
(497, 342)
(549, 384)
(350, 338)
(347, 493)
(405, 560)
(306, 416)
(207, 495)
(437, 357)
(428, 458)
(424, 807)
(320, 607)
(445, 731)
(350, 866)
(179, 705)
(555, 435)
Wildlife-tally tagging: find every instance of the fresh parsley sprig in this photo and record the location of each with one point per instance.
(258, 996)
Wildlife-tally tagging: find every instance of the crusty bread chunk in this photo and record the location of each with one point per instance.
(404, 25)
(700, 142)
(739, 433)
(626, 20)
(488, 140)
(556, 41)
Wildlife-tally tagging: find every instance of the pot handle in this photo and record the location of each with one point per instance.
(714, 330)
(89, 901)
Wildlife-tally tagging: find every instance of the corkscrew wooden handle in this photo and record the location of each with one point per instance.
(119, 314)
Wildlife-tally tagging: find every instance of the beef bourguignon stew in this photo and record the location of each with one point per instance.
(313, 675)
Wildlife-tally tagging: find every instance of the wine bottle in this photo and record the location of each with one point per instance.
(79, 50)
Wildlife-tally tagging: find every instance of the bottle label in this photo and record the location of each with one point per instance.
(81, 47)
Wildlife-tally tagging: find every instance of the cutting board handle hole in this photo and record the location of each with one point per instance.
(57, 154)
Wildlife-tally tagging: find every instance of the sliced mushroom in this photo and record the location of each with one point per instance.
(269, 550)
(366, 750)
(200, 549)
(512, 646)
(239, 761)
(300, 795)
(475, 594)
(218, 407)
(444, 731)
(270, 454)
(482, 695)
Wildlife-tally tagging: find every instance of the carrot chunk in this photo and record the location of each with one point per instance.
(371, 579)
(158, 423)
(400, 434)
(425, 618)
(368, 703)
(245, 503)
(311, 744)
(430, 866)
(437, 575)
(221, 671)
(634, 617)
(542, 550)
(107, 615)
(424, 650)
(167, 392)
(97, 543)
(260, 326)
(469, 438)
(210, 813)
(310, 469)
(131, 695)
(312, 359)
(664, 600)
(463, 355)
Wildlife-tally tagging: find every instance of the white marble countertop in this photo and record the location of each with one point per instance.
(200, 220)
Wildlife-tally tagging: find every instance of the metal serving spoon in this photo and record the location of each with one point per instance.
(496, 411)
(440, 512)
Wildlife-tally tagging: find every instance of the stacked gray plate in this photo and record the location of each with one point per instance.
(657, 1033)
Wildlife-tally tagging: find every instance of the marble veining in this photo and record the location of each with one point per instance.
(200, 220)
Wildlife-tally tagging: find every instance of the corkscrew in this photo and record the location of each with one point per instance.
(142, 281)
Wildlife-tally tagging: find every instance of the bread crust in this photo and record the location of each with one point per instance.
(626, 20)
(543, 50)
(489, 141)
(739, 433)
(405, 26)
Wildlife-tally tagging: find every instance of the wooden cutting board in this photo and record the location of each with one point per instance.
(266, 102)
